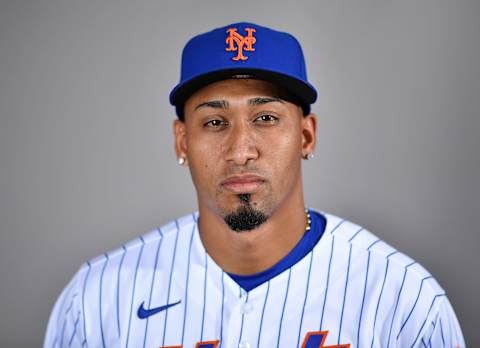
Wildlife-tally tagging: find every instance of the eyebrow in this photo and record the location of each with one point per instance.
(264, 100)
(223, 104)
(217, 104)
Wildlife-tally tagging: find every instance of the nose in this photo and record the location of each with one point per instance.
(240, 145)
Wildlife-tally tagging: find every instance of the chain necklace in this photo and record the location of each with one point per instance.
(309, 221)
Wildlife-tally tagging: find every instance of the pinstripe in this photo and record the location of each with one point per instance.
(100, 299)
(74, 329)
(153, 282)
(63, 331)
(337, 226)
(241, 324)
(380, 297)
(83, 304)
(450, 326)
(441, 332)
(133, 290)
(170, 281)
(283, 309)
(65, 315)
(433, 331)
(328, 280)
(118, 288)
(263, 312)
(371, 245)
(305, 298)
(428, 313)
(187, 279)
(415, 303)
(344, 294)
(204, 296)
(392, 253)
(221, 314)
(365, 290)
(450, 329)
(397, 301)
(356, 233)
(455, 332)
(72, 318)
(64, 300)
(363, 299)
(71, 304)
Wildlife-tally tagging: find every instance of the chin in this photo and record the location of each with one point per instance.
(245, 218)
(246, 215)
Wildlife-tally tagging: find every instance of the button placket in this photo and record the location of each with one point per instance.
(246, 308)
(235, 322)
(244, 344)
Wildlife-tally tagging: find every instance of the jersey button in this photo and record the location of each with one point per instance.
(246, 308)
(244, 344)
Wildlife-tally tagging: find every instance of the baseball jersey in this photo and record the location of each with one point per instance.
(164, 290)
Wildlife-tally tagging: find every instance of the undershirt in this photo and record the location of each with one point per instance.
(303, 247)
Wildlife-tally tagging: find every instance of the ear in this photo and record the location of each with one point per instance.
(309, 134)
(180, 133)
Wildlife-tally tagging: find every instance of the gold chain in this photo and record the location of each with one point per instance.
(309, 220)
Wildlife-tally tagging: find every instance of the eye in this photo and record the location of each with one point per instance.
(266, 118)
(214, 123)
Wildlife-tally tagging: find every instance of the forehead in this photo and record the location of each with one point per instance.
(235, 89)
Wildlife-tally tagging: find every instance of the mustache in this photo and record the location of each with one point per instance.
(244, 169)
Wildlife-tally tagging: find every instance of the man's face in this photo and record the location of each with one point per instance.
(243, 142)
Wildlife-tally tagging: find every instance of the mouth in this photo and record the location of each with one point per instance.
(246, 183)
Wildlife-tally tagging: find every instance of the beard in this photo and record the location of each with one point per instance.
(246, 217)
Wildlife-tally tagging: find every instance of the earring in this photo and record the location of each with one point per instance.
(181, 161)
(309, 156)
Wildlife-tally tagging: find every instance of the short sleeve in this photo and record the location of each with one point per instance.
(65, 326)
(446, 331)
(442, 329)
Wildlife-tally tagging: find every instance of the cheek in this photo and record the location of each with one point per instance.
(287, 144)
(285, 157)
(203, 158)
(203, 153)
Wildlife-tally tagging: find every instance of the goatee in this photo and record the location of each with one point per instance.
(245, 218)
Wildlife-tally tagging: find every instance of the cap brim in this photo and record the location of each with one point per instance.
(301, 90)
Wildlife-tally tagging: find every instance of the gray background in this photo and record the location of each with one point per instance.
(86, 151)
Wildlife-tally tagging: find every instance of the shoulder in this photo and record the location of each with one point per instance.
(107, 280)
(146, 247)
(371, 254)
(391, 285)
(120, 267)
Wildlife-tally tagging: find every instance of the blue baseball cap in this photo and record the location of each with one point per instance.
(243, 50)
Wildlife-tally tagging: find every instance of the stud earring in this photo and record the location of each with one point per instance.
(181, 161)
(308, 156)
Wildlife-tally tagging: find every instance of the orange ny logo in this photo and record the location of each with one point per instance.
(239, 43)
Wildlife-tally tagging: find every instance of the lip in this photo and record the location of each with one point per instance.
(245, 183)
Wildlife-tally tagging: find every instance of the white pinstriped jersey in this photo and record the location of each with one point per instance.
(351, 290)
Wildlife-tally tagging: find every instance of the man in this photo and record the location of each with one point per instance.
(253, 267)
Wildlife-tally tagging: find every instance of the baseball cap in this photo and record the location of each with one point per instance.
(243, 50)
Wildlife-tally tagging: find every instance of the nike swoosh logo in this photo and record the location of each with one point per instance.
(145, 313)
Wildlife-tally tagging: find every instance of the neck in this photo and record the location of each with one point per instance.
(256, 250)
